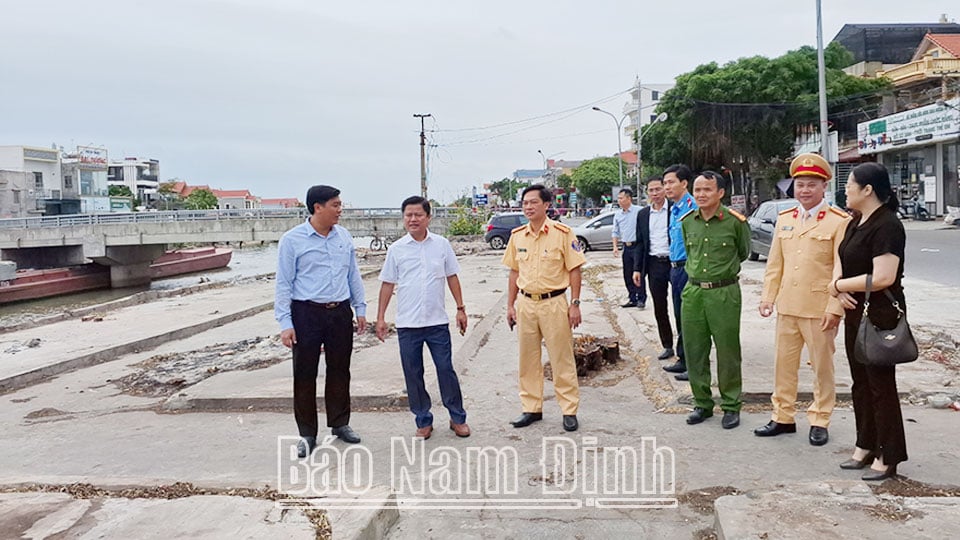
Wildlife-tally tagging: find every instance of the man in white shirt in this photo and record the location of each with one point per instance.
(417, 266)
(654, 262)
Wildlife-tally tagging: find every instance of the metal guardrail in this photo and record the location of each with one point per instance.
(75, 220)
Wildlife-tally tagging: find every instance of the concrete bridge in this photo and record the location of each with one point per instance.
(129, 242)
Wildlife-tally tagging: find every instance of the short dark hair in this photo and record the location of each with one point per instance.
(876, 175)
(416, 199)
(320, 195)
(628, 191)
(654, 179)
(716, 177)
(544, 193)
(682, 171)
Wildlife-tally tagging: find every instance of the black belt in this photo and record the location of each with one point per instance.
(660, 258)
(325, 305)
(543, 296)
(712, 284)
(629, 244)
(678, 264)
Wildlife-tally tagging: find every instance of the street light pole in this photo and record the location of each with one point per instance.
(423, 155)
(619, 145)
(640, 133)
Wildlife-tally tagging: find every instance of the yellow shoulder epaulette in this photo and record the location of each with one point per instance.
(788, 210)
(737, 215)
(839, 212)
(518, 229)
(690, 211)
(561, 227)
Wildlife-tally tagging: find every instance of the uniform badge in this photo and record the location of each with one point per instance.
(821, 214)
(787, 228)
(575, 245)
(522, 250)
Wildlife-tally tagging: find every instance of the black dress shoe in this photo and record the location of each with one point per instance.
(682, 376)
(819, 435)
(853, 464)
(629, 304)
(773, 429)
(526, 419)
(665, 354)
(698, 415)
(731, 419)
(346, 434)
(678, 367)
(570, 422)
(878, 476)
(305, 446)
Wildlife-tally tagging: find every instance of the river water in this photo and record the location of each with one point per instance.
(246, 262)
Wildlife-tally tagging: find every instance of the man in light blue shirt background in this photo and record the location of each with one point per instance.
(625, 237)
(417, 267)
(318, 280)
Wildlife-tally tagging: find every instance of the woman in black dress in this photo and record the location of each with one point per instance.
(874, 244)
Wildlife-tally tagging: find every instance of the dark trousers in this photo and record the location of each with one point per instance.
(332, 329)
(876, 404)
(658, 273)
(437, 339)
(630, 257)
(678, 280)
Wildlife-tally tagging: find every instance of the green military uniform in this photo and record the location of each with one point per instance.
(711, 303)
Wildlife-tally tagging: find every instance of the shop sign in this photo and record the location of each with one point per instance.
(918, 127)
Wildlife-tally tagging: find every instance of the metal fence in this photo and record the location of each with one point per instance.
(74, 220)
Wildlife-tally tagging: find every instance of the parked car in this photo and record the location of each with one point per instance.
(596, 233)
(763, 224)
(499, 227)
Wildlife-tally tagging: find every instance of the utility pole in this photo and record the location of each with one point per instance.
(639, 139)
(423, 155)
(822, 88)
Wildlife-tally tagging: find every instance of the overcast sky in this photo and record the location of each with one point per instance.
(278, 95)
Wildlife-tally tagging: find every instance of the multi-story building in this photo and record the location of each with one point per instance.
(85, 176)
(31, 183)
(644, 99)
(141, 175)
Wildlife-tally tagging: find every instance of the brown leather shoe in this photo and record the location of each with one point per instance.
(462, 430)
(424, 432)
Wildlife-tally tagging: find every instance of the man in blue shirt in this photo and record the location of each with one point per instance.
(625, 232)
(676, 178)
(318, 280)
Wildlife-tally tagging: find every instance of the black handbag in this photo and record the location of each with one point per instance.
(876, 347)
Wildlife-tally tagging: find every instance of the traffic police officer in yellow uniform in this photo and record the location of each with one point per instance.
(717, 241)
(799, 270)
(544, 260)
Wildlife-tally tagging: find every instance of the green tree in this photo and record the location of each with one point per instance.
(201, 199)
(595, 177)
(120, 191)
(753, 109)
(565, 181)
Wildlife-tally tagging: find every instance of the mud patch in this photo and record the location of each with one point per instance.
(701, 500)
(705, 534)
(163, 375)
(891, 511)
(905, 487)
(46, 412)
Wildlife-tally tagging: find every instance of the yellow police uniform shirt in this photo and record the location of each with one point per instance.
(543, 258)
(800, 264)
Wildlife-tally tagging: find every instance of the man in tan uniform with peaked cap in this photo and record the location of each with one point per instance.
(797, 280)
(544, 259)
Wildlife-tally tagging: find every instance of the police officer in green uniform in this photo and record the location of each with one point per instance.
(717, 241)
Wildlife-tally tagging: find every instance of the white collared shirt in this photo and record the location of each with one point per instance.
(659, 237)
(420, 271)
(807, 214)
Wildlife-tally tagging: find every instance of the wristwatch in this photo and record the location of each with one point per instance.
(575, 301)
(462, 308)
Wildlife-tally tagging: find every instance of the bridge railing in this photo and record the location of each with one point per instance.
(74, 220)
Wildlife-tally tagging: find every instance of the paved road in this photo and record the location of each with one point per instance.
(934, 255)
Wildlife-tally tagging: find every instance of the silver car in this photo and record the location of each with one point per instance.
(596, 234)
(762, 223)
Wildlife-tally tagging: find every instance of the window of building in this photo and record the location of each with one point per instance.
(38, 181)
(653, 118)
(16, 196)
(67, 181)
(655, 95)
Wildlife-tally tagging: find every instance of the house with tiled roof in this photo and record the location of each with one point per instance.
(228, 199)
(288, 202)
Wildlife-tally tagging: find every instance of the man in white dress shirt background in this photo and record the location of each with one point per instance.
(417, 267)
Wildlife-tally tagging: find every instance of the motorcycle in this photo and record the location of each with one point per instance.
(914, 209)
